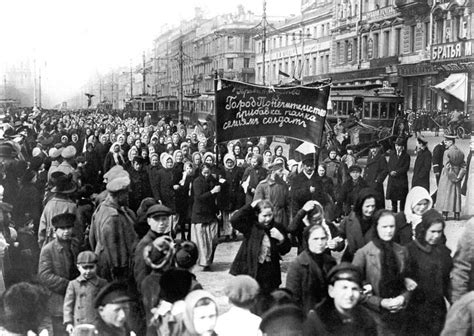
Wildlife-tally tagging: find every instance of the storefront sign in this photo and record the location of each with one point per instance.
(416, 69)
(456, 67)
(379, 14)
(448, 51)
(244, 110)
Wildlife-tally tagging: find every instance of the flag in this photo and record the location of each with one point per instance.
(281, 73)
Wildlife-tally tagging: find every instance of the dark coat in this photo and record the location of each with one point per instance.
(139, 188)
(153, 177)
(232, 196)
(325, 320)
(204, 206)
(375, 173)
(140, 268)
(429, 267)
(350, 191)
(246, 260)
(351, 230)
(307, 281)
(397, 187)
(29, 201)
(256, 175)
(422, 169)
(466, 178)
(109, 161)
(164, 180)
(57, 267)
(437, 160)
(300, 190)
(404, 230)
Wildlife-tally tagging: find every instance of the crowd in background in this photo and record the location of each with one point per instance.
(104, 221)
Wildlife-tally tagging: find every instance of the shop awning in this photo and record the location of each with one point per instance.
(454, 85)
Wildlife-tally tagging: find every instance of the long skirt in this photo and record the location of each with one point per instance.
(448, 198)
(205, 237)
(226, 225)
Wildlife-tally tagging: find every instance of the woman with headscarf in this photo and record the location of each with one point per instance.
(197, 162)
(357, 227)
(307, 274)
(430, 266)
(167, 185)
(131, 154)
(267, 158)
(312, 213)
(231, 197)
(200, 314)
(178, 163)
(114, 157)
(384, 266)
(417, 203)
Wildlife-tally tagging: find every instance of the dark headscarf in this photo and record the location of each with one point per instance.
(391, 280)
(364, 194)
(429, 218)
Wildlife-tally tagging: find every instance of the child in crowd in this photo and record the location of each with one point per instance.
(81, 293)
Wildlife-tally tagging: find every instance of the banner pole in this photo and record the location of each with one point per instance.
(216, 147)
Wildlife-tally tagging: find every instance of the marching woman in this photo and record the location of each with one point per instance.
(430, 265)
(264, 242)
(307, 274)
(384, 265)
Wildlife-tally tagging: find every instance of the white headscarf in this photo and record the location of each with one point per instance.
(415, 195)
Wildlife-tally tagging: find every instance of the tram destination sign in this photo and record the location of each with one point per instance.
(244, 110)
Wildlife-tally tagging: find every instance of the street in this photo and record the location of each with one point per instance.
(216, 280)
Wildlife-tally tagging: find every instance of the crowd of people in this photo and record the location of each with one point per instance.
(105, 221)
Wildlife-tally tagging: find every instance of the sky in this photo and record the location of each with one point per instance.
(73, 40)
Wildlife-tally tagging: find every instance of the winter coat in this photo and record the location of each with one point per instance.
(307, 281)
(79, 300)
(109, 161)
(462, 274)
(300, 193)
(113, 239)
(56, 268)
(29, 201)
(466, 178)
(164, 181)
(350, 191)
(437, 159)
(204, 206)
(368, 258)
(375, 173)
(232, 196)
(325, 320)
(139, 188)
(55, 206)
(255, 175)
(397, 187)
(422, 169)
(276, 191)
(153, 178)
(140, 268)
(429, 268)
(460, 317)
(246, 260)
(337, 171)
(351, 230)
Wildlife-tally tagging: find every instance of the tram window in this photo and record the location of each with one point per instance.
(367, 110)
(383, 110)
(148, 106)
(375, 110)
(392, 111)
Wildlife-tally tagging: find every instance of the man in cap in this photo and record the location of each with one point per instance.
(340, 314)
(274, 189)
(66, 166)
(61, 202)
(57, 268)
(112, 236)
(307, 186)
(113, 308)
(56, 159)
(376, 172)
(159, 220)
(422, 168)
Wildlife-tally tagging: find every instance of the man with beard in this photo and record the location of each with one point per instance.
(274, 189)
(376, 172)
(112, 236)
(57, 268)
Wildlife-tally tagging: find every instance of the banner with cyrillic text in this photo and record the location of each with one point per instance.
(245, 110)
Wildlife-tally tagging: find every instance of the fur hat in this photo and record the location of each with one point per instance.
(175, 284)
(64, 220)
(187, 254)
(64, 184)
(282, 320)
